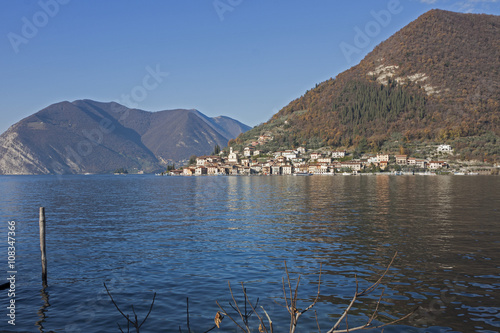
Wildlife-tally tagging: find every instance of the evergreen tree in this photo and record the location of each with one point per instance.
(216, 150)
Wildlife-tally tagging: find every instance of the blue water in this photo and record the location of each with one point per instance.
(188, 236)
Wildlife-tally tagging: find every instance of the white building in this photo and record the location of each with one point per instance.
(324, 160)
(383, 157)
(200, 170)
(315, 156)
(444, 149)
(201, 160)
(290, 155)
(286, 169)
(437, 165)
(338, 154)
(248, 151)
(233, 156)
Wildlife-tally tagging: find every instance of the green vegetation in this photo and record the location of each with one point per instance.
(440, 85)
(192, 160)
(121, 171)
(361, 103)
(483, 147)
(216, 150)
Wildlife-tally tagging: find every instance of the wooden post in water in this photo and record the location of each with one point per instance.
(42, 246)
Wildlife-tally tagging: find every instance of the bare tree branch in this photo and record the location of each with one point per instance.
(247, 315)
(134, 323)
(227, 314)
(317, 322)
(346, 310)
(317, 295)
(292, 308)
(237, 308)
(376, 284)
(269, 320)
(150, 309)
(375, 312)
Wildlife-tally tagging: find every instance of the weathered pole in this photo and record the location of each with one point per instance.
(42, 246)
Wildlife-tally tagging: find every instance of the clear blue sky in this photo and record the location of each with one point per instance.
(241, 58)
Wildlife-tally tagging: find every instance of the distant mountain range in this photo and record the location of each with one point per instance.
(437, 79)
(86, 136)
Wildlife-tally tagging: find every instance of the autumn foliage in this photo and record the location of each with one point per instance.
(442, 85)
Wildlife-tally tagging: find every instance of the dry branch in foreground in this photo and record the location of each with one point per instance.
(291, 297)
(134, 323)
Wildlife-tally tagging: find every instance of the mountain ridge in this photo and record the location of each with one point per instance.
(86, 136)
(436, 79)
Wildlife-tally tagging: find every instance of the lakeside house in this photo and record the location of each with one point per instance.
(290, 162)
(434, 165)
(200, 170)
(287, 169)
(401, 159)
(422, 164)
(382, 157)
(353, 165)
(188, 171)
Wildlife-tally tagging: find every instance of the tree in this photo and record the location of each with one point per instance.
(192, 159)
(216, 150)
(121, 171)
(362, 145)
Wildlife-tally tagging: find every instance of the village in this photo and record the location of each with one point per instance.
(300, 161)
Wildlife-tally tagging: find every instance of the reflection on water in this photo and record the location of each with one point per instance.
(187, 236)
(43, 309)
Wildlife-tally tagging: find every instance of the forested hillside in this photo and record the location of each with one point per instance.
(435, 80)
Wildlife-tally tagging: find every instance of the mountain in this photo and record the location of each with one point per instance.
(93, 137)
(435, 80)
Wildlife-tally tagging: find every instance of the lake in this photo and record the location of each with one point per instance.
(186, 237)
